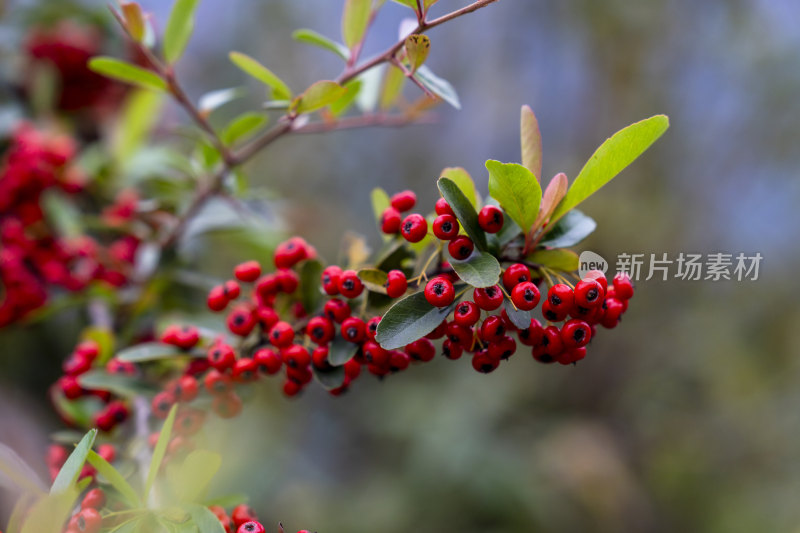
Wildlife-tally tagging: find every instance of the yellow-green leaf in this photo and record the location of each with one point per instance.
(68, 475)
(355, 20)
(127, 72)
(316, 39)
(517, 190)
(392, 87)
(531, 142)
(463, 181)
(134, 19)
(252, 67)
(179, 29)
(160, 450)
(191, 478)
(114, 478)
(556, 259)
(417, 48)
(319, 95)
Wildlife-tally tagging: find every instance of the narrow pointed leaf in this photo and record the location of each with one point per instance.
(517, 190)
(616, 153)
(355, 20)
(148, 351)
(16, 474)
(120, 384)
(479, 270)
(179, 29)
(243, 126)
(134, 19)
(216, 99)
(556, 259)
(553, 194)
(68, 475)
(340, 106)
(392, 87)
(417, 48)
(160, 450)
(464, 210)
(319, 95)
(316, 39)
(408, 320)
(127, 72)
(464, 182)
(252, 67)
(114, 478)
(531, 140)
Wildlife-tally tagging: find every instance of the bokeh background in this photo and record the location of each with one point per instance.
(683, 418)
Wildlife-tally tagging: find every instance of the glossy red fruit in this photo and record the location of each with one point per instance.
(502, 348)
(467, 314)
(89, 521)
(350, 285)
(490, 219)
(227, 405)
(445, 227)
(560, 297)
(460, 248)
(372, 327)
(459, 334)
(296, 356)
(248, 271)
(421, 350)
(588, 293)
(414, 227)
(232, 289)
(492, 328)
(319, 358)
(515, 274)
(290, 252)
(353, 330)
(484, 363)
(575, 333)
(217, 299)
(452, 350)
(533, 335)
(439, 292)
(241, 320)
(241, 514)
(375, 354)
(330, 280)
(404, 201)
(287, 280)
(391, 220)
(267, 361)
(488, 298)
(599, 277)
(221, 356)
(281, 334)
(88, 349)
(320, 330)
(525, 296)
(251, 526)
(186, 389)
(552, 342)
(396, 283)
(267, 317)
(94, 499)
(161, 404)
(245, 370)
(398, 361)
(623, 287)
(336, 310)
(216, 382)
(443, 208)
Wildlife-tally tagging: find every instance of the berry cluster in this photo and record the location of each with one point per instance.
(32, 255)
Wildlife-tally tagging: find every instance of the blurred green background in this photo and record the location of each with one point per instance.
(683, 418)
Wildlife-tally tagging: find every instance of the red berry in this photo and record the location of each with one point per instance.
(76, 365)
(248, 271)
(375, 354)
(352, 369)
(89, 521)
(452, 350)
(588, 293)
(241, 514)
(296, 356)
(391, 220)
(94, 499)
(561, 298)
(461, 248)
(459, 334)
(572, 355)
(161, 404)
(267, 317)
(404, 201)
(525, 296)
(216, 382)
(232, 289)
(466, 314)
(221, 356)
(290, 252)
(267, 361)
(484, 363)
(414, 227)
(320, 330)
(330, 280)
(88, 349)
(245, 370)
(553, 314)
(336, 309)
(552, 342)
(372, 327)
(533, 335)
(291, 388)
(187, 337)
(396, 283)
(599, 277)
(443, 208)
(439, 292)
(502, 348)
(421, 350)
(251, 527)
(515, 274)
(445, 227)
(287, 280)
(353, 330)
(227, 405)
(319, 358)
(575, 333)
(623, 288)
(492, 328)
(350, 285)
(281, 334)
(613, 313)
(490, 219)
(185, 389)
(398, 361)
(217, 299)
(489, 298)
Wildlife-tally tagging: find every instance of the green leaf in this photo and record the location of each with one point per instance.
(438, 86)
(127, 72)
(243, 126)
(62, 214)
(517, 190)
(531, 141)
(318, 95)
(215, 99)
(417, 48)
(134, 20)
(355, 20)
(329, 378)
(205, 520)
(316, 39)
(373, 279)
(479, 270)
(50, 512)
(464, 181)
(571, 229)
(19, 512)
(310, 295)
(520, 318)
(408, 320)
(68, 475)
(340, 351)
(252, 67)
(140, 114)
(616, 153)
(342, 104)
(410, 3)
(464, 210)
(392, 87)
(126, 386)
(114, 478)
(192, 477)
(148, 351)
(16, 474)
(179, 29)
(556, 259)
(160, 450)
(104, 338)
(371, 85)
(380, 201)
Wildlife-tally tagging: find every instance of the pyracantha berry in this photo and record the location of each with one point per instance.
(185, 389)
(251, 527)
(599, 277)
(281, 334)
(336, 310)
(533, 335)
(466, 314)
(353, 329)
(404, 201)
(375, 354)
(439, 292)
(484, 363)
(490, 219)
(296, 356)
(245, 370)
(352, 369)
(320, 330)
(502, 348)
(525, 296)
(391, 220)
(398, 361)
(459, 334)
(575, 333)
(161, 404)
(445, 227)
(421, 350)
(241, 514)
(572, 355)
(623, 288)
(350, 285)
(248, 271)
(94, 499)
(330, 280)
(319, 358)
(414, 227)
(291, 388)
(232, 289)
(443, 208)
(372, 327)
(189, 421)
(89, 521)
(241, 320)
(221, 356)
(488, 298)
(88, 349)
(588, 293)
(287, 280)
(560, 297)
(290, 252)
(216, 382)
(461, 248)
(553, 344)
(515, 274)
(492, 328)
(217, 299)
(267, 361)
(267, 317)
(452, 350)
(396, 283)
(613, 313)
(227, 405)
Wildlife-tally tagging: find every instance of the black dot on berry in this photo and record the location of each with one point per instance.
(447, 227)
(326, 279)
(579, 334)
(407, 226)
(238, 320)
(591, 295)
(438, 288)
(352, 332)
(529, 295)
(555, 300)
(491, 292)
(486, 368)
(546, 358)
(317, 332)
(348, 284)
(550, 315)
